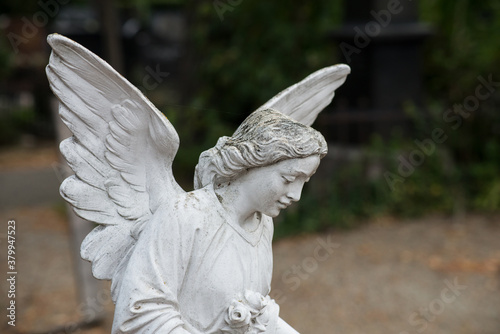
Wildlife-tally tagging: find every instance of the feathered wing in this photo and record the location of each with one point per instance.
(121, 151)
(305, 100)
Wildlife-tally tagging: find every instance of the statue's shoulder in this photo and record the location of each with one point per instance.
(201, 201)
(198, 209)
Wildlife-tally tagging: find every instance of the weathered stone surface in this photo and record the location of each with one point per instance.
(183, 262)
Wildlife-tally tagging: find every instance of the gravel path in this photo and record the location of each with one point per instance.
(431, 275)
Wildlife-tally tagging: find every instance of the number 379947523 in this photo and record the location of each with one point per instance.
(11, 248)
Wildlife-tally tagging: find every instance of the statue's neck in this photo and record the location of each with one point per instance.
(237, 207)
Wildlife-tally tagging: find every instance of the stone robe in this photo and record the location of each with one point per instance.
(188, 264)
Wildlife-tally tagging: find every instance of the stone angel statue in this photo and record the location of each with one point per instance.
(183, 262)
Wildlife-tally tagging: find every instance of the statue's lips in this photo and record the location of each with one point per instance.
(282, 205)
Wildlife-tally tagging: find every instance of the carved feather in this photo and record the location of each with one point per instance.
(307, 98)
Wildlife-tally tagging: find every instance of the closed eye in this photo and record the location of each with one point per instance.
(288, 179)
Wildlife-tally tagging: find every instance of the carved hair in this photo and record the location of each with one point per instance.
(264, 138)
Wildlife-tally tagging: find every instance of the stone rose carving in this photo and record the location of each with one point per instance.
(250, 314)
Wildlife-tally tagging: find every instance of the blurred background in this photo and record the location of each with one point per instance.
(405, 207)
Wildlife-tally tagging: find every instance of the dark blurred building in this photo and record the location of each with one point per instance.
(381, 41)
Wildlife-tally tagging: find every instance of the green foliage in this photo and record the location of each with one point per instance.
(251, 51)
(463, 46)
(6, 58)
(15, 123)
(463, 50)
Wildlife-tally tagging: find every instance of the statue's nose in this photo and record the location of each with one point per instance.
(295, 191)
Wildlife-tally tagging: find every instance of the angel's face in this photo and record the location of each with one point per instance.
(272, 188)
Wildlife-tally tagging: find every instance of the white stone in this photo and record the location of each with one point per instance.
(182, 262)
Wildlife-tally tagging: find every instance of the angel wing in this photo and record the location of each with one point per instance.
(121, 151)
(305, 100)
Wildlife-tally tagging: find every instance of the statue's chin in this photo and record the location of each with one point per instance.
(273, 213)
